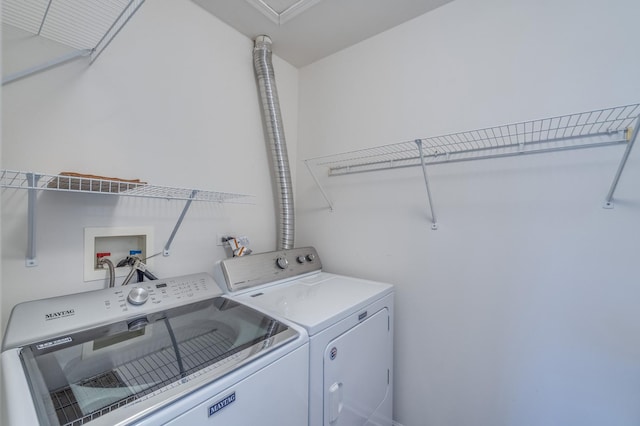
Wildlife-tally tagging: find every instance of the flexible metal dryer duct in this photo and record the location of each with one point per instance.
(275, 134)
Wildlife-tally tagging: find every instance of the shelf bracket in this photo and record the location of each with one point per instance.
(315, 179)
(44, 17)
(32, 182)
(434, 222)
(127, 13)
(59, 30)
(165, 251)
(76, 54)
(608, 202)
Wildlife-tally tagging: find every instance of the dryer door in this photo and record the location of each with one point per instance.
(357, 368)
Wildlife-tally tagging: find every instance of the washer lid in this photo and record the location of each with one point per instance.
(151, 360)
(317, 301)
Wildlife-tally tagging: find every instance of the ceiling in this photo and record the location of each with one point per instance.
(304, 31)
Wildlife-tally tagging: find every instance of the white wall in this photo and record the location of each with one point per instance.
(522, 309)
(172, 101)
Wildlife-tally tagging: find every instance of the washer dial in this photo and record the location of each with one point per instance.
(138, 296)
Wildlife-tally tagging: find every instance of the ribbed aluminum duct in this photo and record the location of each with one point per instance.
(275, 135)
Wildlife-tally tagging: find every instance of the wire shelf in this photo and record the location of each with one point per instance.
(34, 182)
(598, 128)
(604, 127)
(41, 181)
(86, 26)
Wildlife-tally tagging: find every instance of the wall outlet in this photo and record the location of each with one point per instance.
(115, 244)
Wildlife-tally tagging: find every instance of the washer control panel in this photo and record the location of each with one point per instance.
(160, 292)
(45, 318)
(240, 273)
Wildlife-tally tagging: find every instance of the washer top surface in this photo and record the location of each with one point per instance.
(99, 352)
(317, 301)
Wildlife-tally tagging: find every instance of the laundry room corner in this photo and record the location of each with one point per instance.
(451, 238)
(520, 308)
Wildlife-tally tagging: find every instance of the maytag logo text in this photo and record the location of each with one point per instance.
(59, 314)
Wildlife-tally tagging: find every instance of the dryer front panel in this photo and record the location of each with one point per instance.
(357, 373)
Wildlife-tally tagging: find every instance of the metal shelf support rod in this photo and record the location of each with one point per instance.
(131, 8)
(315, 179)
(608, 203)
(434, 223)
(32, 181)
(44, 17)
(165, 251)
(46, 65)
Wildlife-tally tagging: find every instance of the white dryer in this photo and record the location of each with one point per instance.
(350, 326)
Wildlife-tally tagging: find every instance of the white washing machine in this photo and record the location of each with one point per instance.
(173, 351)
(350, 327)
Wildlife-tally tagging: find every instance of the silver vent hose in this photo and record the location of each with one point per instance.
(275, 134)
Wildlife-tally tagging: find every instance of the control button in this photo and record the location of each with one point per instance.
(282, 262)
(301, 259)
(311, 257)
(138, 296)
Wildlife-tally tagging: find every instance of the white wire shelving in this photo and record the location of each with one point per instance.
(34, 182)
(598, 128)
(49, 182)
(87, 26)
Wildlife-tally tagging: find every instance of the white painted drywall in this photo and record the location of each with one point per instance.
(172, 101)
(522, 309)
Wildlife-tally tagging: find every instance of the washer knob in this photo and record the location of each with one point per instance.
(282, 262)
(138, 296)
(311, 257)
(301, 259)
